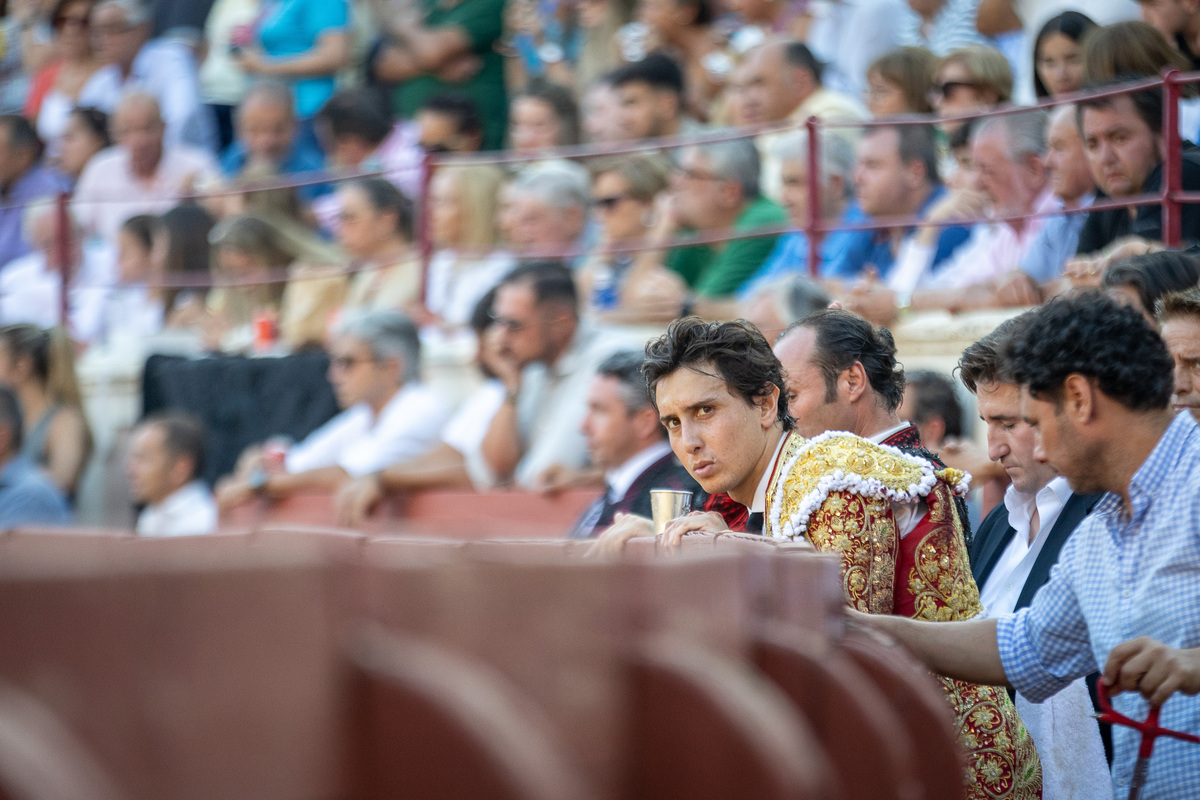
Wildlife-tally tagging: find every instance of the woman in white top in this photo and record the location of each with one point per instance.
(71, 77)
(463, 212)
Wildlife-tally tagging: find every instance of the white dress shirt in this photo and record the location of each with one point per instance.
(409, 425)
(188, 511)
(31, 292)
(469, 425)
(999, 594)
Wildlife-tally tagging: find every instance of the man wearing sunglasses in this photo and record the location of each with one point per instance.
(388, 415)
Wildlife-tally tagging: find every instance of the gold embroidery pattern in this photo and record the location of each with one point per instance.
(1001, 759)
(862, 530)
(940, 579)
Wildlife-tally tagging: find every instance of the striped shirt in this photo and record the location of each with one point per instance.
(953, 27)
(1120, 577)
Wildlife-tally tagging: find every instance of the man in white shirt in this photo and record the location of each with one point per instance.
(141, 175)
(165, 458)
(1011, 556)
(389, 416)
(163, 68)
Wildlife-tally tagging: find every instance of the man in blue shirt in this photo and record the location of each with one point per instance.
(26, 497)
(22, 179)
(1124, 597)
(265, 142)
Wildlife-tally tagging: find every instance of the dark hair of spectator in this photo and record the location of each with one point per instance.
(356, 112)
(141, 228)
(385, 198)
(658, 70)
(22, 135)
(626, 368)
(1153, 275)
(1178, 304)
(183, 437)
(551, 282)
(737, 350)
(1070, 24)
(1092, 335)
(798, 55)
(914, 143)
(934, 396)
(1147, 103)
(481, 315)
(10, 418)
(52, 357)
(96, 121)
(187, 228)
(704, 10)
(462, 110)
(1131, 50)
(843, 338)
(910, 68)
(983, 361)
(562, 103)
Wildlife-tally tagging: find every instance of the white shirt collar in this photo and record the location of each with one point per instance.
(621, 478)
(880, 438)
(759, 505)
(1049, 502)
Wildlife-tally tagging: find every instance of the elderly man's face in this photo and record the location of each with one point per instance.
(357, 375)
(266, 128)
(794, 194)
(1012, 186)
(537, 225)
(1182, 335)
(768, 87)
(114, 40)
(701, 197)
(1121, 148)
(1066, 161)
(138, 127)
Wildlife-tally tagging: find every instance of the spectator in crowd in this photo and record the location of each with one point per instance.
(931, 402)
(377, 233)
(896, 175)
(941, 26)
(624, 194)
(549, 203)
(1179, 318)
(25, 29)
(599, 51)
(1013, 550)
(23, 178)
(143, 174)
(181, 259)
(31, 286)
(1096, 386)
(161, 68)
(265, 140)
(900, 82)
(70, 80)
(782, 80)
(305, 43)
(650, 93)
(228, 28)
(445, 466)
(27, 498)
(776, 305)
(166, 458)
(974, 78)
(546, 361)
(388, 415)
(626, 440)
(1073, 187)
(38, 366)
(684, 29)
(791, 253)
(600, 109)
(1141, 281)
(85, 135)
(1058, 54)
(1006, 157)
(715, 188)
(450, 123)
(134, 308)
(447, 49)
(1123, 139)
(466, 262)
(1179, 23)
(543, 115)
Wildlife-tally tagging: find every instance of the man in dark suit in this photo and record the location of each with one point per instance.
(627, 441)
(1019, 541)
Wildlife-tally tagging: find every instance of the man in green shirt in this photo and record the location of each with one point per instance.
(448, 48)
(715, 189)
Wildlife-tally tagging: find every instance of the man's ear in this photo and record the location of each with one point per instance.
(854, 379)
(1079, 395)
(768, 405)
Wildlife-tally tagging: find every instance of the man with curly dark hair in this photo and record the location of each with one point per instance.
(1096, 382)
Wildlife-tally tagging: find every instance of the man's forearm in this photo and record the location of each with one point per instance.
(502, 447)
(442, 468)
(325, 479)
(963, 650)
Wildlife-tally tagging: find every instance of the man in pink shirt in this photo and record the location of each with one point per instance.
(139, 175)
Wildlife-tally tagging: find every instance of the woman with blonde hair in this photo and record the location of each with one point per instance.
(975, 78)
(463, 214)
(900, 82)
(39, 366)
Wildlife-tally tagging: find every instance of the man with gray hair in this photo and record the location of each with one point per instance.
(388, 416)
(163, 68)
(265, 137)
(549, 202)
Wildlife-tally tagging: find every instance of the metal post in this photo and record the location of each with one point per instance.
(1172, 170)
(812, 228)
(424, 228)
(63, 249)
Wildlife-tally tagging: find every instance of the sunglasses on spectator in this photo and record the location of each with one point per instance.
(940, 90)
(510, 325)
(607, 203)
